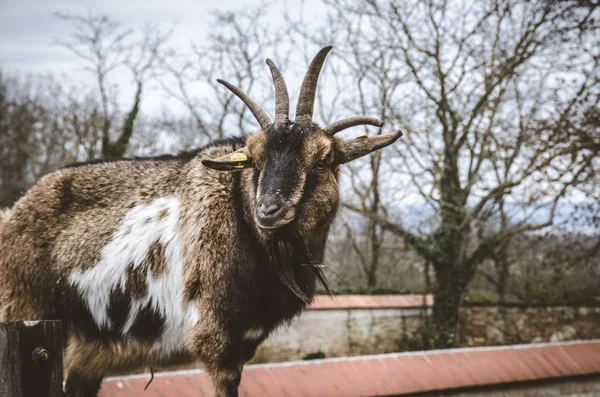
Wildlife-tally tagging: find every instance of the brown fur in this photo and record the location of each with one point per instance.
(244, 279)
(64, 221)
(4, 212)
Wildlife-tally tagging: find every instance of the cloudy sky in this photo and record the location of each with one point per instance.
(29, 32)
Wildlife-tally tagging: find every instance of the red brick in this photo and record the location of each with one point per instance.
(360, 386)
(501, 362)
(493, 365)
(594, 346)
(585, 357)
(517, 368)
(292, 387)
(135, 386)
(345, 386)
(472, 366)
(494, 362)
(503, 370)
(249, 386)
(453, 374)
(399, 365)
(536, 355)
(385, 375)
(186, 388)
(374, 378)
(325, 302)
(165, 386)
(457, 376)
(110, 389)
(318, 373)
(263, 380)
(525, 355)
(299, 373)
(440, 377)
(181, 384)
(555, 357)
(391, 377)
(416, 372)
(256, 382)
(202, 382)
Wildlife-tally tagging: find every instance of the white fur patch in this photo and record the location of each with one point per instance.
(4, 213)
(142, 226)
(253, 334)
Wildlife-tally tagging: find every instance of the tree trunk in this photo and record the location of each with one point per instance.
(371, 280)
(445, 314)
(375, 235)
(117, 149)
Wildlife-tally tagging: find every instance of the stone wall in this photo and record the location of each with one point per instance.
(337, 333)
(492, 325)
(349, 332)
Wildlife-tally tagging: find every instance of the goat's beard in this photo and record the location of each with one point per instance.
(291, 257)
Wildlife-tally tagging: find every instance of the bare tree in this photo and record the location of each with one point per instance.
(361, 81)
(21, 112)
(104, 47)
(476, 87)
(235, 51)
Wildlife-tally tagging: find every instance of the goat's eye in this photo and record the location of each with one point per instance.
(321, 165)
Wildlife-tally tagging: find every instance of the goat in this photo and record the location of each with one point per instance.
(172, 259)
(3, 213)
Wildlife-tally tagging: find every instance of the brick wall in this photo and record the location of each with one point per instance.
(575, 387)
(564, 369)
(348, 332)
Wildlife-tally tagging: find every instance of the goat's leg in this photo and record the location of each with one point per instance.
(227, 378)
(227, 381)
(222, 359)
(226, 373)
(81, 385)
(218, 345)
(85, 364)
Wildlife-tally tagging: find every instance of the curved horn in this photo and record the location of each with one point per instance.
(259, 114)
(282, 99)
(341, 125)
(306, 101)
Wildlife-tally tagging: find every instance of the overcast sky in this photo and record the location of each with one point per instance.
(29, 31)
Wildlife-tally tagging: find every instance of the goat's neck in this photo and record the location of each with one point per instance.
(297, 259)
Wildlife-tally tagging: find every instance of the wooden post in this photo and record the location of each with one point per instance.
(31, 359)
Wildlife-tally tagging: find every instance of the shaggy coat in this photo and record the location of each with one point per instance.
(199, 256)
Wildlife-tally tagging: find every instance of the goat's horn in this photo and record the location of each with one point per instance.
(306, 101)
(341, 125)
(282, 99)
(259, 114)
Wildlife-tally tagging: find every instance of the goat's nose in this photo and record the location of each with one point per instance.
(272, 212)
(269, 207)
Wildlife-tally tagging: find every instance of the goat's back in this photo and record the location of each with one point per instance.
(64, 221)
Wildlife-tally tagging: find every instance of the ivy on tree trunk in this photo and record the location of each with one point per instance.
(118, 148)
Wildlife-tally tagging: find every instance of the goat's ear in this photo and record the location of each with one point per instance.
(363, 145)
(234, 161)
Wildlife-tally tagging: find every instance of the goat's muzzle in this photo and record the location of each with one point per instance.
(272, 212)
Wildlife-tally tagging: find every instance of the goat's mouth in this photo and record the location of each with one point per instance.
(273, 212)
(270, 224)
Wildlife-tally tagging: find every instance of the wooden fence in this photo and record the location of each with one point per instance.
(31, 359)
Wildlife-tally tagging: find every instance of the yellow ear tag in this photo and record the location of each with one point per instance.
(361, 137)
(238, 166)
(238, 157)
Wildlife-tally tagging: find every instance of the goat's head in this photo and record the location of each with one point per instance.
(296, 164)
